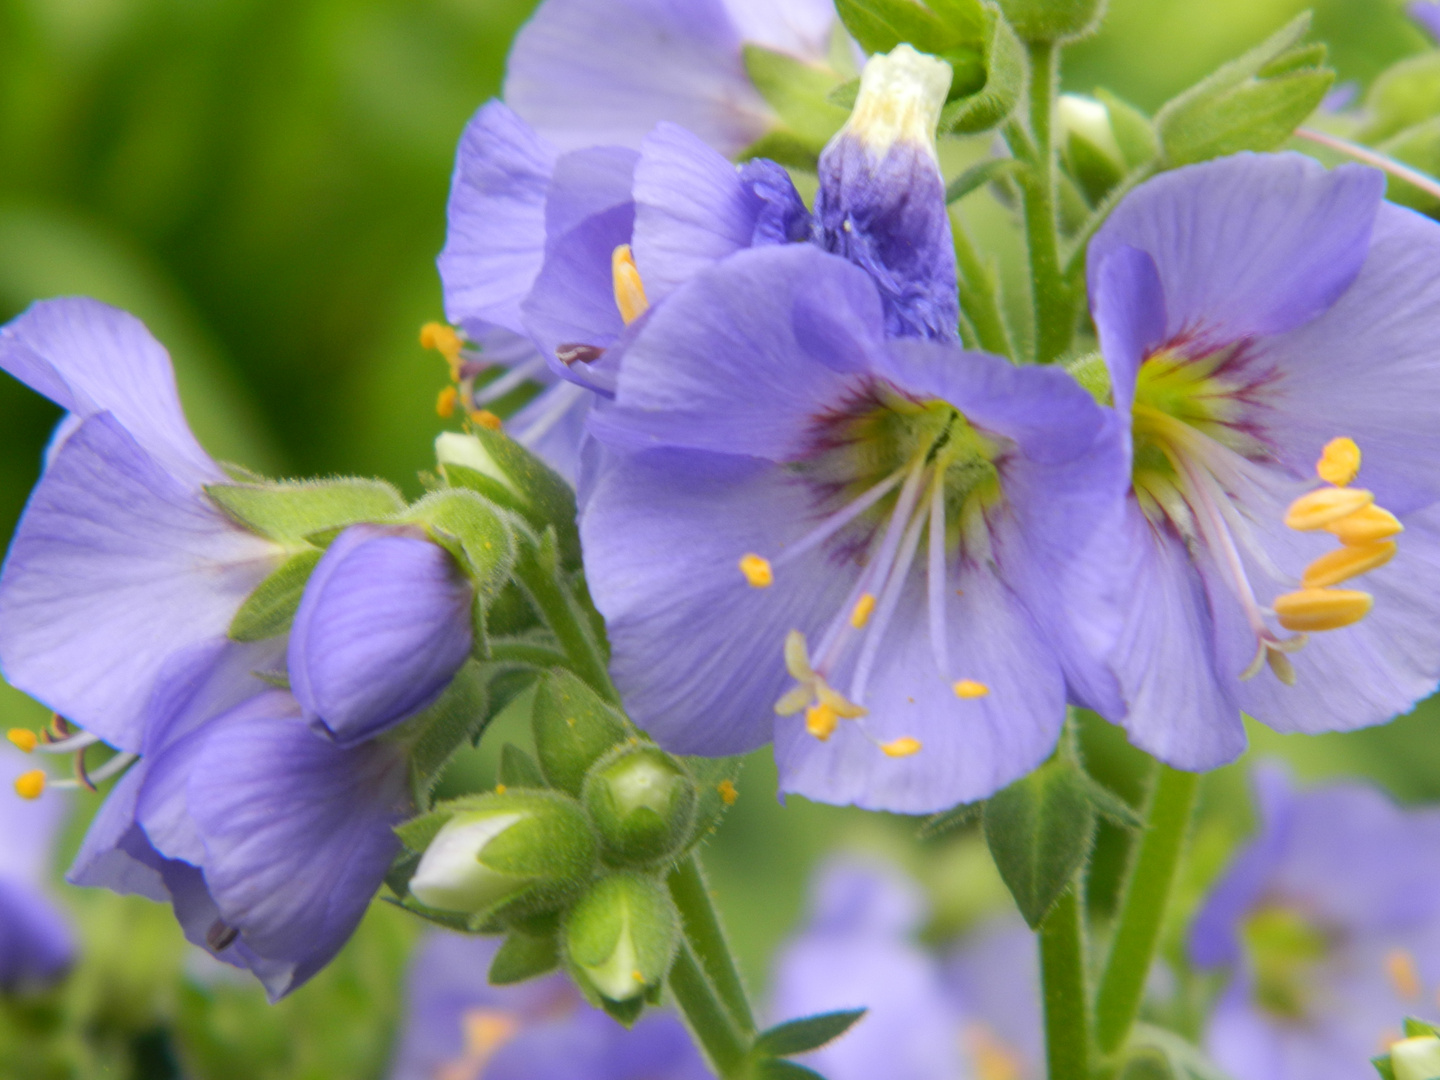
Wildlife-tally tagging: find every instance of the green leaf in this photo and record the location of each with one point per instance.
(1383, 1066)
(775, 1069)
(624, 1013)
(1418, 147)
(455, 720)
(270, 609)
(475, 531)
(953, 30)
(1109, 805)
(290, 511)
(798, 92)
(1006, 71)
(1134, 132)
(573, 728)
(518, 769)
(524, 956)
(809, 1033)
(1405, 95)
(977, 176)
(1040, 830)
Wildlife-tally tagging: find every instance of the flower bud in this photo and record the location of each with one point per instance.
(475, 531)
(642, 801)
(1416, 1058)
(1053, 20)
(526, 852)
(622, 935)
(573, 729)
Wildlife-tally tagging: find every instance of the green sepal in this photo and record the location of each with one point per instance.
(1134, 131)
(777, 1069)
(456, 718)
(785, 148)
(451, 920)
(525, 956)
(280, 680)
(1401, 97)
(1239, 108)
(497, 467)
(977, 176)
(642, 803)
(1040, 830)
(1416, 1028)
(518, 769)
(624, 1013)
(289, 511)
(1148, 1063)
(714, 777)
(809, 1033)
(1095, 171)
(622, 935)
(798, 92)
(573, 728)
(1383, 1066)
(1053, 20)
(271, 608)
(475, 531)
(948, 821)
(953, 30)
(1004, 71)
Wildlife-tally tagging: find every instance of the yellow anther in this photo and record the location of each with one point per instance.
(23, 738)
(500, 789)
(637, 976)
(1309, 610)
(1403, 974)
(486, 1030)
(758, 573)
(820, 720)
(1366, 526)
(445, 402)
(1319, 508)
(444, 340)
(728, 792)
(966, 689)
(1339, 462)
(843, 706)
(863, 608)
(901, 747)
(486, 419)
(30, 785)
(1344, 563)
(629, 289)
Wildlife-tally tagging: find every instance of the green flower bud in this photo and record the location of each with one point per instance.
(512, 855)
(622, 935)
(642, 801)
(573, 729)
(473, 530)
(1416, 1058)
(1053, 20)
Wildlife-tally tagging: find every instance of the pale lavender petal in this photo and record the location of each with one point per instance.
(1427, 14)
(573, 300)
(993, 973)
(801, 28)
(28, 827)
(1129, 310)
(853, 894)
(36, 942)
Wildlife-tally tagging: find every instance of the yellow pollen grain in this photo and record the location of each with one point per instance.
(1339, 462)
(728, 792)
(863, 608)
(901, 747)
(1318, 509)
(1311, 610)
(1403, 974)
(486, 419)
(445, 402)
(23, 738)
(967, 689)
(820, 720)
(629, 289)
(757, 571)
(1366, 526)
(1347, 562)
(31, 784)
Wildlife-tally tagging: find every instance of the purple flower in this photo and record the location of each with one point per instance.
(1265, 321)
(383, 626)
(575, 75)
(1427, 14)
(120, 562)
(993, 976)
(1329, 926)
(459, 1026)
(37, 944)
(755, 540)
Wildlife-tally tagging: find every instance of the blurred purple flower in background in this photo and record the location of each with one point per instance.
(37, 944)
(1328, 924)
(1427, 14)
(459, 1027)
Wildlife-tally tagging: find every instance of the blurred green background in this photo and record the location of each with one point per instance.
(264, 183)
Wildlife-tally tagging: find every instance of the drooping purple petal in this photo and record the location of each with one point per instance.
(116, 566)
(382, 628)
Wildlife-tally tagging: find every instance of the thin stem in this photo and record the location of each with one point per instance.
(1415, 177)
(540, 576)
(706, 1016)
(528, 653)
(1062, 969)
(1052, 294)
(979, 296)
(1142, 912)
(706, 937)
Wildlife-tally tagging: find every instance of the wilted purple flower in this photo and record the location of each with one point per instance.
(576, 73)
(1329, 926)
(120, 562)
(459, 1027)
(1265, 321)
(36, 942)
(383, 626)
(754, 542)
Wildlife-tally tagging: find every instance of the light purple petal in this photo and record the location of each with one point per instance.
(598, 72)
(114, 568)
(116, 854)
(1129, 308)
(1427, 14)
(801, 28)
(496, 239)
(993, 974)
(573, 300)
(88, 358)
(585, 183)
(382, 628)
(1248, 245)
(852, 894)
(28, 827)
(36, 942)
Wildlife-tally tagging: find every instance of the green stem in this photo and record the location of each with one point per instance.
(706, 1016)
(1053, 297)
(1062, 970)
(1142, 912)
(529, 653)
(540, 575)
(979, 296)
(707, 938)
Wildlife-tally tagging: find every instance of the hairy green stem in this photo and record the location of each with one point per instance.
(707, 1018)
(1142, 912)
(528, 653)
(553, 600)
(1065, 990)
(979, 297)
(707, 938)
